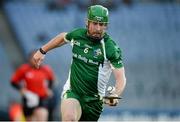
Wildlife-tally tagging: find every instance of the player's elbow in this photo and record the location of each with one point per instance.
(15, 85)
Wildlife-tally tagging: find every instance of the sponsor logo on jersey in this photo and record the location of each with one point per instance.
(74, 42)
(97, 52)
(29, 75)
(82, 58)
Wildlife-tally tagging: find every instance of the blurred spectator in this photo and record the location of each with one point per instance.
(83, 4)
(58, 4)
(127, 2)
(35, 87)
(110, 4)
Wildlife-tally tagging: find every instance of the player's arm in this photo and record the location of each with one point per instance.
(50, 78)
(18, 86)
(53, 43)
(17, 77)
(119, 75)
(120, 78)
(115, 57)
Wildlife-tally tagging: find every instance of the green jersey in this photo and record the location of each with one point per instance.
(92, 63)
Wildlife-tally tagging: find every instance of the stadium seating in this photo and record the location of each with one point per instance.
(8, 94)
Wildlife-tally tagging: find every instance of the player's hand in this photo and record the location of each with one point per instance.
(38, 58)
(111, 100)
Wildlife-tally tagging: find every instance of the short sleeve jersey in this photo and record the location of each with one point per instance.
(34, 79)
(92, 63)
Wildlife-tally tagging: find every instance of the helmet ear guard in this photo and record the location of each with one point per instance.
(98, 13)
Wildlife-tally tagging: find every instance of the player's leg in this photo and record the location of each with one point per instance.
(70, 109)
(27, 111)
(91, 110)
(41, 114)
(41, 111)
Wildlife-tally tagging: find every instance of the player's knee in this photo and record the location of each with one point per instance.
(41, 114)
(69, 117)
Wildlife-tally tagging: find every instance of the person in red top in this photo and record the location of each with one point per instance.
(35, 87)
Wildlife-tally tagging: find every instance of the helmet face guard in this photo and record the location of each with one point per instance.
(98, 13)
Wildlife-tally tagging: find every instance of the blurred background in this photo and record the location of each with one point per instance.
(147, 31)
